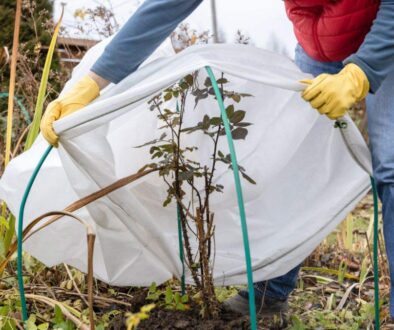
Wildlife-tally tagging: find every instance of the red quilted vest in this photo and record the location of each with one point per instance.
(331, 30)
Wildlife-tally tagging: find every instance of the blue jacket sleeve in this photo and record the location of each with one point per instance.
(376, 54)
(140, 36)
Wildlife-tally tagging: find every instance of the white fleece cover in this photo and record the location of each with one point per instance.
(305, 169)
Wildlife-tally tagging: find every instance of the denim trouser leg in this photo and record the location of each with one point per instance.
(281, 287)
(380, 110)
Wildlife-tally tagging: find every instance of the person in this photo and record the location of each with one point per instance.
(347, 45)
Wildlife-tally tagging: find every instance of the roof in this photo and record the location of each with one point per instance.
(76, 42)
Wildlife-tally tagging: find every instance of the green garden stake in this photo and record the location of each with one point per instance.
(180, 239)
(241, 206)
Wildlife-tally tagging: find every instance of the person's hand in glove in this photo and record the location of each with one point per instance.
(333, 95)
(82, 93)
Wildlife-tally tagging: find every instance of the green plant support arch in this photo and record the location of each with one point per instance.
(20, 231)
(241, 206)
(180, 239)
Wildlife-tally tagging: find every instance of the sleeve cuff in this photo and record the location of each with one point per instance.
(374, 83)
(108, 74)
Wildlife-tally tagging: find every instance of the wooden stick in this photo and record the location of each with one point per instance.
(11, 90)
(91, 239)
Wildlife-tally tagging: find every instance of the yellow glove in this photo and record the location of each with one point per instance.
(333, 95)
(84, 92)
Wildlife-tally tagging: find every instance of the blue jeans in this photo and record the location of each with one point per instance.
(380, 111)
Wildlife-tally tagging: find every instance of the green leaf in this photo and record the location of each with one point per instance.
(10, 233)
(219, 188)
(238, 116)
(248, 178)
(31, 322)
(44, 326)
(59, 318)
(177, 298)
(239, 133)
(175, 121)
(66, 325)
(147, 143)
(189, 79)
(222, 81)
(35, 125)
(4, 222)
(153, 294)
(200, 96)
(211, 91)
(236, 97)
(181, 307)
(153, 287)
(216, 121)
(4, 310)
(184, 85)
(167, 201)
(190, 129)
(230, 111)
(243, 124)
(167, 147)
(157, 155)
(167, 96)
(9, 325)
(206, 122)
(168, 296)
(245, 95)
(297, 324)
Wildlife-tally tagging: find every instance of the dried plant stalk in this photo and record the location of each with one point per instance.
(53, 303)
(11, 91)
(74, 207)
(90, 246)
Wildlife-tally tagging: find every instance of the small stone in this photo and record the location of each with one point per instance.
(181, 324)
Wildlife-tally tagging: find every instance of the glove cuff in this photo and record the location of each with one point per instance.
(360, 79)
(87, 88)
(84, 91)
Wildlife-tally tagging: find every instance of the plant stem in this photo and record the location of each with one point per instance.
(179, 197)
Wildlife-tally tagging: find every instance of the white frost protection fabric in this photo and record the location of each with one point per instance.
(307, 177)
